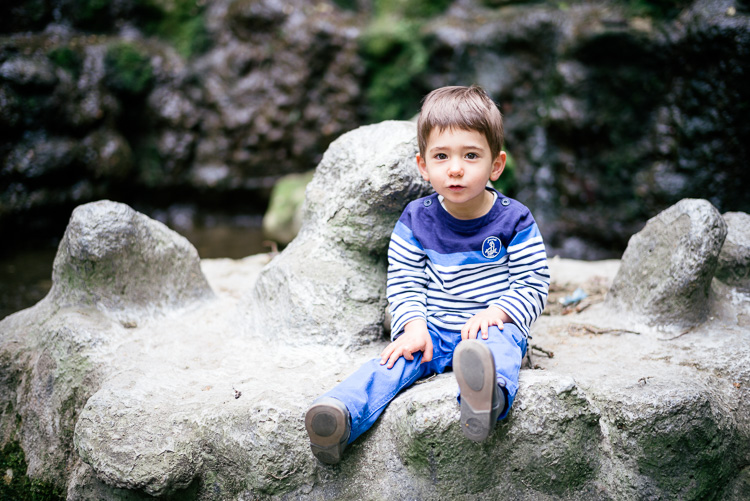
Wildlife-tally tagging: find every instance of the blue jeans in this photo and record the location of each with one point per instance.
(368, 390)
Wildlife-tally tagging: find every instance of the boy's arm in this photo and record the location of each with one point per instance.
(407, 279)
(529, 279)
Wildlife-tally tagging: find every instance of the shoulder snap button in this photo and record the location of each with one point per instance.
(427, 202)
(505, 202)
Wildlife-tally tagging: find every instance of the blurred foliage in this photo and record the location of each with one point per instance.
(411, 9)
(179, 22)
(16, 485)
(151, 170)
(26, 15)
(656, 8)
(396, 53)
(67, 59)
(90, 14)
(347, 4)
(507, 182)
(129, 71)
(639, 8)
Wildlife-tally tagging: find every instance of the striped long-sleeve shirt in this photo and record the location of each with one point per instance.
(445, 270)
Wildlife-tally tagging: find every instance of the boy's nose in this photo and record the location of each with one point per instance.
(455, 169)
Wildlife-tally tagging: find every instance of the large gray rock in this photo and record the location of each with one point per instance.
(115, 270)
(119, 261)
(328, 285)
(668, 266)
(734, 259)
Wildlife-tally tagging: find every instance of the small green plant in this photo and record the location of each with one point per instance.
(129, 71)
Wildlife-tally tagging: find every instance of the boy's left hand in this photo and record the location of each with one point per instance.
(415, 338)
(482, 321)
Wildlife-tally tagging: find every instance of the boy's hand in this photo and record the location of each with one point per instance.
(482, 321)
(415, 338)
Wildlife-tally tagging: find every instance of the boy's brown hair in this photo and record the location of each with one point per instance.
(466, 108)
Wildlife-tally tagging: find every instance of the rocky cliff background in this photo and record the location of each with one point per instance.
(614, 110)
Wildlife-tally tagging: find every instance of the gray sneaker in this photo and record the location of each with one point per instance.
(328, 426)
(482, 400)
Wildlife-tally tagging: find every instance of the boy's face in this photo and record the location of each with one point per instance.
(458, 163)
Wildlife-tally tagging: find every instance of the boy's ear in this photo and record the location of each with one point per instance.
(498, 166)
(422, 166)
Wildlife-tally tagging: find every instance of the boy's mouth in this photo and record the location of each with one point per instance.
(455, 187)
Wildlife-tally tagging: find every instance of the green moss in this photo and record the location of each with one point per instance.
(67, 59)
(179, 22)
(128, 70)
(691, 461)
(16, 485)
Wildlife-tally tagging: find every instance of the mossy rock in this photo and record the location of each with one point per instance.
(283, 218)
(16, 485)
(179, 22)
(129, 70)
(67, 59)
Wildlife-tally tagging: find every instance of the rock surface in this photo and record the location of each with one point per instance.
(734, 259)
(205, 400)
(328, 285)
(119, 261)
(668, 266)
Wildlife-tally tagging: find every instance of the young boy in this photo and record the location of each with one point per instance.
(467, 276)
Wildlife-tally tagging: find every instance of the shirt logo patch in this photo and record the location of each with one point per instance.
(491, 247)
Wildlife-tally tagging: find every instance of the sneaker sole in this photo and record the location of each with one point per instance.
(326, 425)
(475, 371)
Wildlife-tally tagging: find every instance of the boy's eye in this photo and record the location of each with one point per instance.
(441, 156)
(471, 156)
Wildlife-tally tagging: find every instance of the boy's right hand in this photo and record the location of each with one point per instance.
(415, 338)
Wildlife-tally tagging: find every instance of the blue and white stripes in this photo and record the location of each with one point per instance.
(437, 270)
